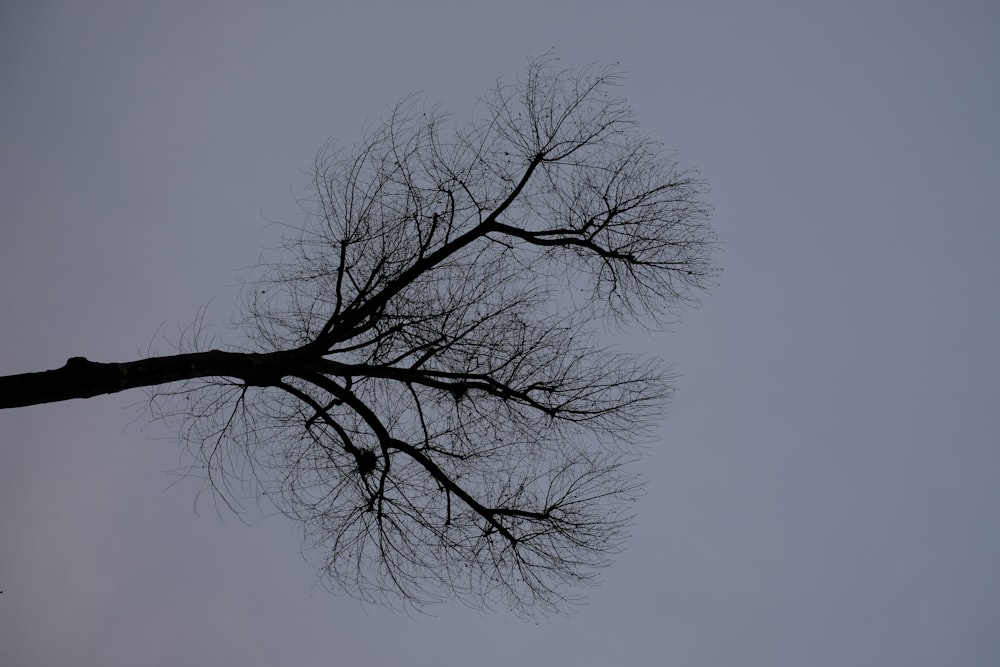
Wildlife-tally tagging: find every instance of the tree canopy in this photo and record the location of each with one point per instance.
(422, 382)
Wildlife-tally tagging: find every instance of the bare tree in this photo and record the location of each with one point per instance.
(422, 385)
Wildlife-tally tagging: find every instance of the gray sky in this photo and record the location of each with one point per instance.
(825, 492)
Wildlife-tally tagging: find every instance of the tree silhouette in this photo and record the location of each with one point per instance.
(421, 383)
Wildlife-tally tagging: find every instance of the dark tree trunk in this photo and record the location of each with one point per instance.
(81, 378)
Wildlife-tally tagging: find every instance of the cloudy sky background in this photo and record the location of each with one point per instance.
(826, 489)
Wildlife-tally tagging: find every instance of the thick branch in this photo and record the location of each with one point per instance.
(352, 317)
(444, 380)
(82, 378)
(387, 441)
(542, 238)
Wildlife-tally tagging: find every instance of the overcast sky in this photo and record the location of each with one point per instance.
(825, 491)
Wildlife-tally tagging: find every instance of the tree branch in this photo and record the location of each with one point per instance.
(82, 378)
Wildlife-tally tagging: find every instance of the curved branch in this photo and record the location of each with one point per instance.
(389, 442)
